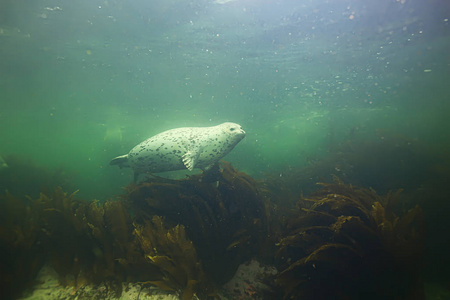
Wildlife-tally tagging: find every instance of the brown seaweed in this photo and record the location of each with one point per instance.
(163, 234)
(190, 235)
(348, 245)
(174, 255)
(22, 252)
(224, 215)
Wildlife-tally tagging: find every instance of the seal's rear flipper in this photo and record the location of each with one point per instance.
(121, 161)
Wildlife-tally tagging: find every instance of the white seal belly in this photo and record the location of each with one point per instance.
(182, 148)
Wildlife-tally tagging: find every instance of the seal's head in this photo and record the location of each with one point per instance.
(234, 130)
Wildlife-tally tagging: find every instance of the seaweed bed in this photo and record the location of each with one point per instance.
(190, 236)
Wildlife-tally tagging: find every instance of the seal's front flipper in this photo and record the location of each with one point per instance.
(190, 159)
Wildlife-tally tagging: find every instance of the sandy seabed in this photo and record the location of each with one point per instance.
(246, 284)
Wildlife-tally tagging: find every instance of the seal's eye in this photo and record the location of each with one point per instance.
(232, 129)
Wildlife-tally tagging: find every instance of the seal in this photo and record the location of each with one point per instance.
(182, 148)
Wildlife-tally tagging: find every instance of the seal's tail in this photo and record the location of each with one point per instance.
(121, 161)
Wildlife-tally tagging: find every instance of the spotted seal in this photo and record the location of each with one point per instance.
(182, 148)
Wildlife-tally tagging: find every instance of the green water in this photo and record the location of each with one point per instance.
(358, 89)
(84, 81)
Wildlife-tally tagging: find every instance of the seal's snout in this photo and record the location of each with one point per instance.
(238, 131)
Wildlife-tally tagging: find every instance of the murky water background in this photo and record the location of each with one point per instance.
(310, 82)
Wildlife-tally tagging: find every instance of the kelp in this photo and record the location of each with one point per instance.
(188, 236)
(349, 244)
(81, 240)
(173, 254)
(22, 253)
(223, 213)
(168, 233)
(84, 242)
